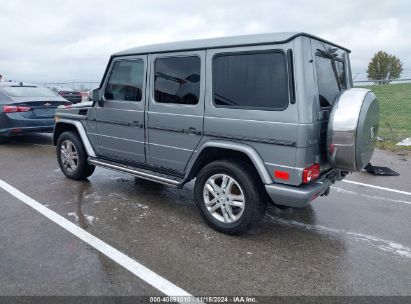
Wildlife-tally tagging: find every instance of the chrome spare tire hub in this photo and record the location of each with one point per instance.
(69, 156)
(224, 198)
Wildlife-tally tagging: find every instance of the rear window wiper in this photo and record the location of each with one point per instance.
(325, 54)
(332, 56)
(336, 76)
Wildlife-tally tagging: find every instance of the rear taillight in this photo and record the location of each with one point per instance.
(9, 109)
(13, 109)
(23, 109)
(311, 173)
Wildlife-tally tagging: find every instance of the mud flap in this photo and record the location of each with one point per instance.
(380, 170)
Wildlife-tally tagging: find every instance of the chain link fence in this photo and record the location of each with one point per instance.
(81, 86)
(395, 108)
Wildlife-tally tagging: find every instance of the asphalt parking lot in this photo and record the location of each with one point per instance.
(356, 241)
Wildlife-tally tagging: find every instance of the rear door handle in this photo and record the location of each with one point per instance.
(136, 124)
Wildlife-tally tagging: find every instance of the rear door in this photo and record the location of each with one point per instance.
(120, 122)
(176, 108)
(331, 70)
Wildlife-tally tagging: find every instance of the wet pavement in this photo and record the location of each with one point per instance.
(356, 241)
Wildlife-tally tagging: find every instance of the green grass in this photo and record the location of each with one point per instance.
(395, 113)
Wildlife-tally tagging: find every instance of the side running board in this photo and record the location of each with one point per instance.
(138, 172)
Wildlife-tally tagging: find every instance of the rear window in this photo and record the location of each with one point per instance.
(257, 80)
(28, 91)
(330, 78)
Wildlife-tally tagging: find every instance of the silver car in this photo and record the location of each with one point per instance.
(252, 119)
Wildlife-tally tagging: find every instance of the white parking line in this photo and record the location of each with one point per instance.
(373, 197)
(128, 263)
(376, 187)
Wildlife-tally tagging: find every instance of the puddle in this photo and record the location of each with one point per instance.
(382, 244)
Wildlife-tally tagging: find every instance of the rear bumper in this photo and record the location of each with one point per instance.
(17, 124)
(300, 196)
(25, 130)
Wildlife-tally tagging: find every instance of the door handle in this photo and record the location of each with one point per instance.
(136, 124)
(193, 131)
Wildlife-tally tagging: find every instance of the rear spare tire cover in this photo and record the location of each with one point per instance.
(352, 129)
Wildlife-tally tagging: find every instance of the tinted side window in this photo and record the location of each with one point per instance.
(126, 81)
(251, 80)
(177, 80)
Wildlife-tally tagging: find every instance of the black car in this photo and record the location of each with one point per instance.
(26, 108)
(69, 94)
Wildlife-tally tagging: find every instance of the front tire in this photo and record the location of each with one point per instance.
(229, 195)
(72, 157)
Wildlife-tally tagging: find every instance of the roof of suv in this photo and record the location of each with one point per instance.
(256, 39)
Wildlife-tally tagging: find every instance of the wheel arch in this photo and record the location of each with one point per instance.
(74, 126)
(61, 127)
(213, 150)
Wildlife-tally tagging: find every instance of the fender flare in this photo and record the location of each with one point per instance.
(228, 145)
(81, 131)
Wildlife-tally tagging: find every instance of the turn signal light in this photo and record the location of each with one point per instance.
(13, 109)
(311, 173)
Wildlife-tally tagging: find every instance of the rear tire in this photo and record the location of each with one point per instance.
(72, 156)
(229, 195)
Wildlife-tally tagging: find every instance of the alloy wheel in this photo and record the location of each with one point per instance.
(69, 155)
(224, 198)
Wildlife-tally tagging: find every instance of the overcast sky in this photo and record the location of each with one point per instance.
(72, 40)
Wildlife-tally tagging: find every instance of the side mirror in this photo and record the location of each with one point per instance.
(95, 97)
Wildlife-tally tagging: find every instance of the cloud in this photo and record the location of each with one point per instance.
(72, 40)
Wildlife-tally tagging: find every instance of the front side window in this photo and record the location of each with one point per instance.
(126, 81)
(251, 80)
(330, 78)
(177, 80)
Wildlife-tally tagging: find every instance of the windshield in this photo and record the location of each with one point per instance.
(28, 91)
(330, 78)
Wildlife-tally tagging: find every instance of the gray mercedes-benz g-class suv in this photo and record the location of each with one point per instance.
(251, 118)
